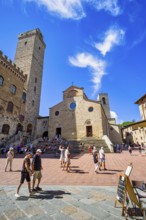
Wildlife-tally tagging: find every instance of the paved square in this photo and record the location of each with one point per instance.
(80, 194)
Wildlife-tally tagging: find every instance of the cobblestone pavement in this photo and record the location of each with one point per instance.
(81, 194)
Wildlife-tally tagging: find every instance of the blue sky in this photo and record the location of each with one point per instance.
(96, 44)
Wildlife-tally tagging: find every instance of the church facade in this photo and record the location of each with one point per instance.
(79, 118)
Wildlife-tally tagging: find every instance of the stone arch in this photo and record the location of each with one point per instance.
(45, 134)
(88, 122)
(10, 107)
(29, 128)
(19, 127)
(5, 129)
(103, 101)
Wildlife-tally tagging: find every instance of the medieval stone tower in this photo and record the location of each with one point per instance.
(103, 98)
(30, 57)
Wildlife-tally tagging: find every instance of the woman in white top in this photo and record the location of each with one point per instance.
(67, 158)
(62, 155)
(10, 156)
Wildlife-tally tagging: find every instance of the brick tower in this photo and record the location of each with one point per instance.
(30, 57)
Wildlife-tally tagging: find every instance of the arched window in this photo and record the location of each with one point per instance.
(103, 101)
(35, 89)
(5, 129)
(1, 81)
(13, 89)
(29, 128)
(35, 80)
(10, 107)
(19, 128)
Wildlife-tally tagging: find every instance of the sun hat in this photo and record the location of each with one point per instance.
(38, 151)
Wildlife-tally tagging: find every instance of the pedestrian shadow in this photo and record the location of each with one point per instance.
(78, 171)
(50, 194)
(23, 198)
(74, 166)
(116, 170)
(107, 173)
(16, 171)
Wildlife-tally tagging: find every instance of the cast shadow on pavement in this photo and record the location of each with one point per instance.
(50, 194)
(77, 171)
(116, 170)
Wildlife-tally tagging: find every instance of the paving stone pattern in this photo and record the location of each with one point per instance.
(79, 195)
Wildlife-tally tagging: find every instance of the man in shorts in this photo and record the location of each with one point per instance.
(26, 172)
(102, 158)
(37, 167)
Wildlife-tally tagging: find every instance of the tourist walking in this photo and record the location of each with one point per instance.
(102, 158)
(36, 168)
(67, 159)
(62, 155)
(95, 159)
(9, 160)
(26, 172)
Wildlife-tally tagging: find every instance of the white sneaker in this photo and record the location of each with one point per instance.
(17, 195)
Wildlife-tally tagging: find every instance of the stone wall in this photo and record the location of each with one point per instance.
(12, 76)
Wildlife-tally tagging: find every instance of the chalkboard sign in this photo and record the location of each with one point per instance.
(121, 190)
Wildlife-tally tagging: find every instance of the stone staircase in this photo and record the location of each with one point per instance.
(77, 147)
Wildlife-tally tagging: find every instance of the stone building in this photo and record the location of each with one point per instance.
(78, 118)
(12, 100)
(135, 133)
(20, 86)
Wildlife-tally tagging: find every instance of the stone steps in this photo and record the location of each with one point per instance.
(82, 146)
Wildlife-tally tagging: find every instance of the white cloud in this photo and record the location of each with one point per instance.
(114, 115)
(113, 36)
(64, 8)
(73, 9)
(96, 66)
(107, 5)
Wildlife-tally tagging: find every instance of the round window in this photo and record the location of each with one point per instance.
(57, 113)
(72, 105)
(90, 109)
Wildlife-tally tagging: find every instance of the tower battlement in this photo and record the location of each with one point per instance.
(31, 33)
(12, 67)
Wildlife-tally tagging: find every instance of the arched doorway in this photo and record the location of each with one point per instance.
(19, 128)
(45, 134)
(29, 128)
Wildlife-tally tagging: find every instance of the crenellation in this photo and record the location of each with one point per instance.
(8, 64)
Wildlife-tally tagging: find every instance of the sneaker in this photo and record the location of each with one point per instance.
(34, 190)
(17, 195)
(38, 188)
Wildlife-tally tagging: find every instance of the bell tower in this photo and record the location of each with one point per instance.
(30, 58)
(103, 98)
